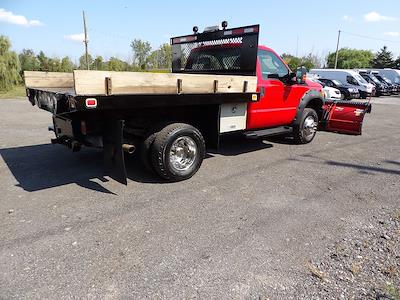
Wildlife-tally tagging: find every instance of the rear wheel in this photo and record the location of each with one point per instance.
(177, 152)
(305, 132)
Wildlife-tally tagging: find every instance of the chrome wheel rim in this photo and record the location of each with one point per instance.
(310, 126)
(182, 153)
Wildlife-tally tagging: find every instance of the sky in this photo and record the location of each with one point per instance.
(296, 27)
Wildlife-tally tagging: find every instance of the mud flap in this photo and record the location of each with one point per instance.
(345, 116)
(114, 162)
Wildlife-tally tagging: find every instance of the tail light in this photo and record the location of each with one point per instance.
(91, 103)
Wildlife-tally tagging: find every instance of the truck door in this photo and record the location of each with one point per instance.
(278, 104)
(345, 116)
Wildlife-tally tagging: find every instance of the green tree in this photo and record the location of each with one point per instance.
(292, 61)
(160, 58)
(54, 64)
(396, 64)
(28, 61)
(9, 65)
(82, 62)
(383, 59)
(310, 61)
(43, 61)
(66, 65)
(141, 50)
(98, 63)
(351, 58)
(115, 64)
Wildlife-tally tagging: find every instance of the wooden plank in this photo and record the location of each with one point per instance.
(35, 79)
(94, 83)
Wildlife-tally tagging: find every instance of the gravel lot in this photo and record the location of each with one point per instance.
(260, 220)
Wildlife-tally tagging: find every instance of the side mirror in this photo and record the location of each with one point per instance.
(301, 75)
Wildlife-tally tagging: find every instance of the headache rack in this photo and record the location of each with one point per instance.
(227, 51)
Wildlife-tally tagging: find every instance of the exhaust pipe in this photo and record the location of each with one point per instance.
(128, 148)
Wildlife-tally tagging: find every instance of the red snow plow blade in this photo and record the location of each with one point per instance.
(345, 116)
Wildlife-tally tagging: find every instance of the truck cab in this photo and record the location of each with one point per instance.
(279, 94)
(288, 103)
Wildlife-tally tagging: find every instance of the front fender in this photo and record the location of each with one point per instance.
(312, 98)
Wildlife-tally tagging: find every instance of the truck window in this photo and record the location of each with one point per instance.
(352, 80)
(214, 58)
(271, 64)
(360, 79)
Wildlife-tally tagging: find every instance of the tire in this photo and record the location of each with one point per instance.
(182, 142)
(305, 132)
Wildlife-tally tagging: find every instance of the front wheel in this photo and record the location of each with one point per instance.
(177, 151)
(305, 132)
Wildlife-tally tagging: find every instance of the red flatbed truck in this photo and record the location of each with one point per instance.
(173, 131)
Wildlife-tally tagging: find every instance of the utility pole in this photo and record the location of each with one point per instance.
(297, 46)
(337, 49)
(85, 41)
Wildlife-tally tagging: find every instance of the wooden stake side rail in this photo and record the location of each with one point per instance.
(125, 83)
(35, 79)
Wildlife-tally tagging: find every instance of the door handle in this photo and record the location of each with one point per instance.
(262, 91)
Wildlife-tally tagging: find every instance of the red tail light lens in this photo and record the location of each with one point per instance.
(91, 103)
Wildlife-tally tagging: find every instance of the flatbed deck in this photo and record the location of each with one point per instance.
(67, 92)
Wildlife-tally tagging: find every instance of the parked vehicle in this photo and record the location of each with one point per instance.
(350, 77)
(330, 93)
(392, 74)
(391, 87)
(381, 89)
(222, 81)
(347, 91)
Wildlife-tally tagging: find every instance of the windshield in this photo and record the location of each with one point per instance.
(366, 77)
(387, 80)
(360, 79)
(380, 78)
(374, 78)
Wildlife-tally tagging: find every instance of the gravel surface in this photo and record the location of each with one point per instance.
(260, 220)
(363, 264)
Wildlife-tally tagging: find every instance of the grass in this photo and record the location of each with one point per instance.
(15, 92)
(392, 291)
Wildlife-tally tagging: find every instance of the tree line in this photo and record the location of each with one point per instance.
(347, 59)
(13, 65)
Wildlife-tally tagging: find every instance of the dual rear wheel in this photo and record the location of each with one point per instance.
(176, 152)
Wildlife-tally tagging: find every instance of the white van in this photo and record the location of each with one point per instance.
(350, 77)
